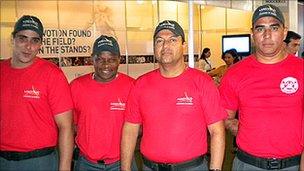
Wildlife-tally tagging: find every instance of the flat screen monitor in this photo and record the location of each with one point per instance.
(240, 42)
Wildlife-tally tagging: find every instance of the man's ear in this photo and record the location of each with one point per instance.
(285, 32)
(251, 35)
(185, 46)
(12, 40)
(119, 60)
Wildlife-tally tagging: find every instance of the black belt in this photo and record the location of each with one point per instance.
(101, 162)
(174, 166)
(98, 161)
(268, 163)
(16, 156)
(76, 152)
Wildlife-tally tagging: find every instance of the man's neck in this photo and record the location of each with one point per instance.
(272, 59)
(20, 65)
(170, 71)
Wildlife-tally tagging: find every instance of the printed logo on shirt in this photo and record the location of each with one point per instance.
(32, 93)
(289, 85)
(119, 105)
(185, 100)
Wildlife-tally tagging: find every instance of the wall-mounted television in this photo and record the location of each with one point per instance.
(240, 42)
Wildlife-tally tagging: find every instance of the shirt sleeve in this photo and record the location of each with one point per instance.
(59, 94)
(302, 133)
(210, 100)
(73, 87)
(229, 98)
(132, 112)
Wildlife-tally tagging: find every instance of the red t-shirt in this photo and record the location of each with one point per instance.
(174, 113)
(98, 115)
(269, 98)
(303, 131)
(30, 98)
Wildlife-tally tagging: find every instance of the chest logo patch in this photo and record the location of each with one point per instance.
(31, 93)
(289, 85)
(119, 105)
(185, 100)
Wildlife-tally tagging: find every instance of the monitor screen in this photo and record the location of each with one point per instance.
(240, 42)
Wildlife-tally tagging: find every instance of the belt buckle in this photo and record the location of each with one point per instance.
(101, 162)
(274, 164)
(164, 167)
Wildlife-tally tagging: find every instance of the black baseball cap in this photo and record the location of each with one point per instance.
(106, 43)
(28, 22)
(292, 35)
(171, 25)
(268, 10)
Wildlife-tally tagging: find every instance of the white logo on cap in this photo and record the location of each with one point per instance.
(30, 23)
(105, 41)
(167, 24)
(267, 10)
(289, 85)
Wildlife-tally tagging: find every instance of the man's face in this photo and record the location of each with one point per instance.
(106, 66)
(268, 35)
(293, 46)
(168, 48)
(26, 45)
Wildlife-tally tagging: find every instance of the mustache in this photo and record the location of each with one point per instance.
(166, 52)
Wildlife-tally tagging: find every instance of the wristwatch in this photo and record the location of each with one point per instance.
(215, 170)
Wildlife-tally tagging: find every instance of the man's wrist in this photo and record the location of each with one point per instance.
(215, 170)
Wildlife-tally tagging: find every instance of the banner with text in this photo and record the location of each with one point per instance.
(66, 42)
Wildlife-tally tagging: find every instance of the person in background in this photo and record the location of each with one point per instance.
(204, 62)
(267, 90)
(175, 105)
(36, 106)
(100, 100)
(292, 42)
(230, 57)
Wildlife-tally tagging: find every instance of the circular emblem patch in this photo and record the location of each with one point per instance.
(289, 85)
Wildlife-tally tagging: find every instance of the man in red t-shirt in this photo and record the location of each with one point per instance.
(100, 100)
(175, 105)
(292, 42)
(267, 90)
(36, 106)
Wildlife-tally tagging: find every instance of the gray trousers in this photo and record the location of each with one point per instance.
(238, 165)
(83, 164)
(44, 163)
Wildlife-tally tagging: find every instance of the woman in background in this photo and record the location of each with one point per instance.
(230, 57)
(204, 62)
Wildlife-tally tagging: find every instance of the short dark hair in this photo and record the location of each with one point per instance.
(291, 35)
